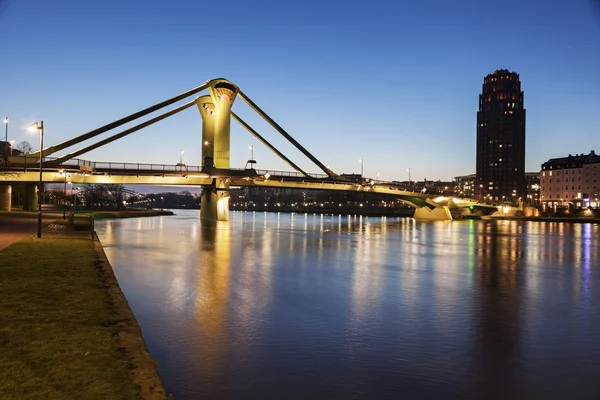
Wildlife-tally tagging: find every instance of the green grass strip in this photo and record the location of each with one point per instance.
(57, 325)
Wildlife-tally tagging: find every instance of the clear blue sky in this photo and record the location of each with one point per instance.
(393, 82)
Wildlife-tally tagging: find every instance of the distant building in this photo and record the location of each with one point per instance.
(500, 170)
(571, 181)
(533, 188)
(465, 184)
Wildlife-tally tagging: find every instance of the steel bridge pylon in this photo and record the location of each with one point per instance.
(215, 110)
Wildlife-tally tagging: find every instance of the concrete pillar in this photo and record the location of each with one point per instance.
(207, 110)
(214, 201)
(216, 133)
(30, 199)
(222, 131)
(5, 197)
(441, 213)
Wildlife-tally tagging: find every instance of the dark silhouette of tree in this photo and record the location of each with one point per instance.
(107, 196)
(25, 147)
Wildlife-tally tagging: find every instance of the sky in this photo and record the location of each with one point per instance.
(395, 83)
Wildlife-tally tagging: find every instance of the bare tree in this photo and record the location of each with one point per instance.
(103, 195)
(116, 194)
(24, 147)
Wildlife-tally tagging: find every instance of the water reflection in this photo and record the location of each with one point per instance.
(497, 302)
(362, 307)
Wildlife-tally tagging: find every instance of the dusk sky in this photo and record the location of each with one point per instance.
(393, 82)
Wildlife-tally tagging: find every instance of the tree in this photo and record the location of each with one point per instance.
(24, 147)
(103, 195)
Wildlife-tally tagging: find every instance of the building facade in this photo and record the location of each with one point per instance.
(533, 188)
(572, 181)
(500, 169)
(465, 185)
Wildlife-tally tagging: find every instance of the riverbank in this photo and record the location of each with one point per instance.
(580, 220)
(129, 213)
(66, 330)
(401, 212)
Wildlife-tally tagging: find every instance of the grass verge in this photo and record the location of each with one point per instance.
(61, 329)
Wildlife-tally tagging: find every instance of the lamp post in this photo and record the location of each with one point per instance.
(6, 140)
(208, 159)
(63, 171)
(40, 127)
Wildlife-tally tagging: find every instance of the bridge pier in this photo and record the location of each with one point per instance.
(5, 197)
(215, 111)
(441, 213)
(214, 201)
(30, 198)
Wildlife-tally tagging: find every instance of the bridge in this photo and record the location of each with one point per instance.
(215, 175)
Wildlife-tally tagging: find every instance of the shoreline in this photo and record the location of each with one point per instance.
(145, 374)
(572, 220)
(81, 323)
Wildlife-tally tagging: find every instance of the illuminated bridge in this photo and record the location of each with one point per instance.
(215, 175)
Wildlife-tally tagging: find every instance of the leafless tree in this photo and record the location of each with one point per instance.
(103, 196)
(25, 147)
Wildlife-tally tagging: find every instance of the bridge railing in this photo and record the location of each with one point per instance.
(273, 172)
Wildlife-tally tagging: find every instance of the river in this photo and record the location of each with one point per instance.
(295, 306)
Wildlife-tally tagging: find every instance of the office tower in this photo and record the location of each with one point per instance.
(500, 171)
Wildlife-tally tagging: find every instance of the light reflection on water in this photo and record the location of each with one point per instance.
(322, 306)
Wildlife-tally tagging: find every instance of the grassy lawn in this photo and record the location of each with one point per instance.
(58, 325)
(81, 222)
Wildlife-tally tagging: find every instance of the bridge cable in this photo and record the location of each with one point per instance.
(122, 134)
(286, 135)
(68, 143)
(266, 143)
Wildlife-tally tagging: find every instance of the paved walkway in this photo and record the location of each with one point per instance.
(19, 225)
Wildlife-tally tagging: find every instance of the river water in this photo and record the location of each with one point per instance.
(295, 306)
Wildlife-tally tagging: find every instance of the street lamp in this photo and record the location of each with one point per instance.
(63, 171)
(6, 140)
(208, 159)
(39, 127)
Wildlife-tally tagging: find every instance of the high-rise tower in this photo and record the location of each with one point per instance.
(500, 173)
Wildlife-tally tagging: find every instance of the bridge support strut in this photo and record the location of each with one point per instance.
(5, 197)
(441, 213)
(214, 201)
(215, 111)
(31, 197)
